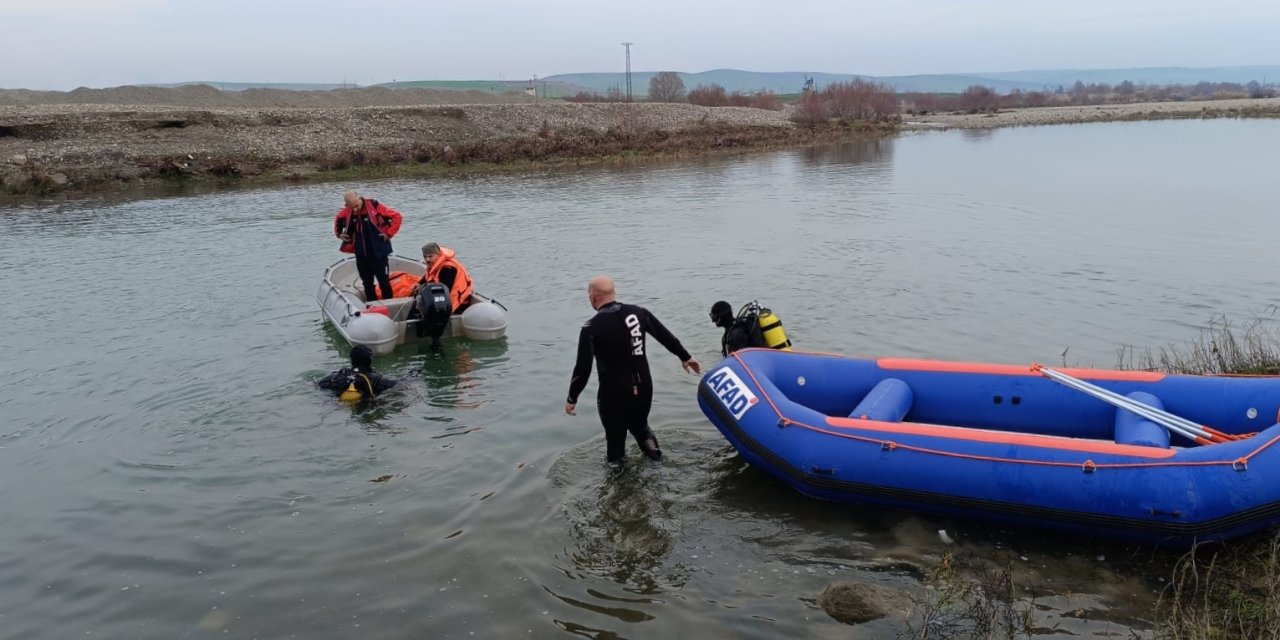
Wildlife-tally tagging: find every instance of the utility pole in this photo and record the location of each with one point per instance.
(628, 46)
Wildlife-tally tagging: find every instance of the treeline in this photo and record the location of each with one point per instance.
(860, 100)
(978, 98)
(667, 86)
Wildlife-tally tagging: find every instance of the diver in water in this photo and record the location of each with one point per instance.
(739, 332)
(359, 381)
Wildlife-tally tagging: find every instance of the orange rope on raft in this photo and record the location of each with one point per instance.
(889, 445)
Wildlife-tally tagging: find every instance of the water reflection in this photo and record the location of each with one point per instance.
(624, 530)
(872, 151)
(978, 135)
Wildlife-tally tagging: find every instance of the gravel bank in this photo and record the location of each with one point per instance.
(79, 146)
(1265, 107)
(47, 148)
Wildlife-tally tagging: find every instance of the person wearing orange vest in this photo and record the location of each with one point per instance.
(443, 267)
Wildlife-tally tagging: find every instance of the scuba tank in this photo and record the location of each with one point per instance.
(763, 327)
(771, 328)
(353, 393)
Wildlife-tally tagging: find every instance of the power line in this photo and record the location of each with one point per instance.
(628, 46)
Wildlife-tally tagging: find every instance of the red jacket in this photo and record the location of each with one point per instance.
(369, 230)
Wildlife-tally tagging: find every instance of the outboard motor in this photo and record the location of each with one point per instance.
(433, 306)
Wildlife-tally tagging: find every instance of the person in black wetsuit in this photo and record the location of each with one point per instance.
(615, 337)
(722, 316)
(360, 376)
(739, 332)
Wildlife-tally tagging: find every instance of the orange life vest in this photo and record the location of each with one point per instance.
(402, 284)
(460, 293)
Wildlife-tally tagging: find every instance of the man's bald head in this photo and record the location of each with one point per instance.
(600, 291)
(601, 284)
(351, 198)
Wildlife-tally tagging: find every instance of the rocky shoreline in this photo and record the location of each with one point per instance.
(75, 148)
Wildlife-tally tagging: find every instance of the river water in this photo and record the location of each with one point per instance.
(168, 470)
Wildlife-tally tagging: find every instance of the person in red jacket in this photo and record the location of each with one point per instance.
(366, 227)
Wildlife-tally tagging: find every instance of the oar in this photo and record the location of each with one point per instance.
(1174, 423)
(1156, 415)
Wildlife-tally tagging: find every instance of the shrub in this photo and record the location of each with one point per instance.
(708, 96)
(860, 100)
(766, 99)
(978, 98)
(811, 110)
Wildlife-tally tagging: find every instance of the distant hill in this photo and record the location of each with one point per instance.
(568, 84)
(544, 88)
(245, 86)
(791, 82)
(1148, 75)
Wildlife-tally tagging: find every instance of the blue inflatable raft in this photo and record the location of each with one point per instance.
(1007, 443)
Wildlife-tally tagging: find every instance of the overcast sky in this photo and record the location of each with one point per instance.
(63, 44)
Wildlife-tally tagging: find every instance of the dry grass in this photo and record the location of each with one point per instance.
(1231, 592)
(1219, 349)
(969, 598)
(1221, 591)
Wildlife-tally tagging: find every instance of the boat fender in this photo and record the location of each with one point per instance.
(888, 401)
(1132, 428)
(775, 337)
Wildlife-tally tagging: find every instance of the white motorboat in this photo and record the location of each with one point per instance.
(341, 299)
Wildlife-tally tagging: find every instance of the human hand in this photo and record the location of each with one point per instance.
(571, 408)
(691, 366)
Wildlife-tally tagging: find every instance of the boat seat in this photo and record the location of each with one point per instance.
(1134, 429)
(888, 401)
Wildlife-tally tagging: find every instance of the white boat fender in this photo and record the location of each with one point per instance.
(484, 321)
(370, 328)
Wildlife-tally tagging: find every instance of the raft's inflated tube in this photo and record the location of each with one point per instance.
(775, 337)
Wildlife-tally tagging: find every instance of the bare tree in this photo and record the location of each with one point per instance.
(666, 86)
(978, 98)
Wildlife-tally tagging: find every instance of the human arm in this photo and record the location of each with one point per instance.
(581, 370)
(388, 220)
(335, 381)
(668, 340)
(382, 383)
(340, 224)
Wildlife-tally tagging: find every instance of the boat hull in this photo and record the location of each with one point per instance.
(342, 306)
(966, 448)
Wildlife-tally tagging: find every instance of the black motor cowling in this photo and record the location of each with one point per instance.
(433, 306)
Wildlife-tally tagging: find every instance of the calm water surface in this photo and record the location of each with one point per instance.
(167, 469)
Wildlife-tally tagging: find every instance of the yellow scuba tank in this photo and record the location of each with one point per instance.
(771, 328)
(351, 394)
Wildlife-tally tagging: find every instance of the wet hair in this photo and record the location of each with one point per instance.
(430, 248)
(362, 358)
